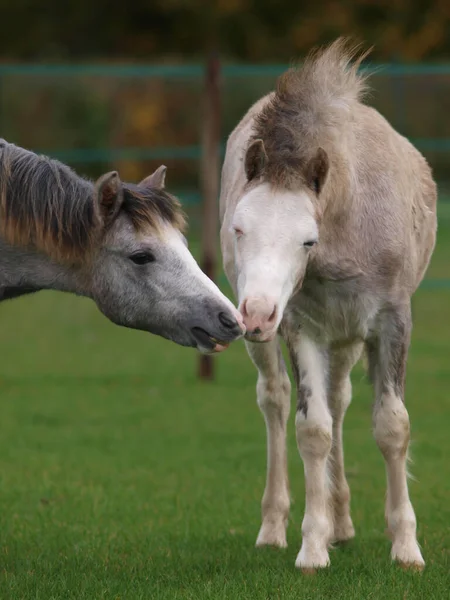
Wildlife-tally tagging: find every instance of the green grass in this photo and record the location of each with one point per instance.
(124, 477)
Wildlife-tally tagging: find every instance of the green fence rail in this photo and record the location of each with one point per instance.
(93, 155)
(197, 70)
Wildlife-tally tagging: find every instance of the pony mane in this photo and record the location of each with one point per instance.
(47, 206)
(309, 109)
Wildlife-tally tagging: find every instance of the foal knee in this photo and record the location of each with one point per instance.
(314, 439)
(273, 395)
(391, 426)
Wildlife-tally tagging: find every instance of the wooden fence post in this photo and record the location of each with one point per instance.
(210, 176)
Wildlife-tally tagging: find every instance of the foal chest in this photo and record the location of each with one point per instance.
(332, 311)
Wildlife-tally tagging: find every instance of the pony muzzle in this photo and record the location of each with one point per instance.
(228, 328)
(260, 317)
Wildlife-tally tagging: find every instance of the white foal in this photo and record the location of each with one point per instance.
(325, 236)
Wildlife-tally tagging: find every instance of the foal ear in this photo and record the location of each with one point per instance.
(156, 180)
(109, 195)
(255, 159)
(317, 170)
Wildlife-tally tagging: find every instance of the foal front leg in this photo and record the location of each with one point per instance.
(313, 425)
(274, 396)
(387, 353)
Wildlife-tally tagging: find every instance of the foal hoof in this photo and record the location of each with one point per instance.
(414, 566)
(310, 562)
(408, 557)
(308, 571)
(343, 531)
(272, 535)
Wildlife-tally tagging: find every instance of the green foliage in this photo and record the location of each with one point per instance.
(250, 30)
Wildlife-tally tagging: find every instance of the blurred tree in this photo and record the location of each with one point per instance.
(250, 30)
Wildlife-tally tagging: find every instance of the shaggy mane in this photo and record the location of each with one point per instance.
(46, 205)
(309, 108)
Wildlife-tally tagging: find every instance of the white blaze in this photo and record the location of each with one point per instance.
(271, 227)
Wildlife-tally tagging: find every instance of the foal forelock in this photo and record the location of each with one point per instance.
(310, 108)
(46, 206)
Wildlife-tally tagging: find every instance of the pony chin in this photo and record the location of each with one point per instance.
(216, 350)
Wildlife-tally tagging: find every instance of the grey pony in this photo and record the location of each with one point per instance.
(118, 243)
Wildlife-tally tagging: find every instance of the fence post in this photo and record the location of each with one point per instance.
(209, 176)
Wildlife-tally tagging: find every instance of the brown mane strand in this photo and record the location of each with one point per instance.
(311, 105)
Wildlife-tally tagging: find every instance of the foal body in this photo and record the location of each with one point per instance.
(328, 226)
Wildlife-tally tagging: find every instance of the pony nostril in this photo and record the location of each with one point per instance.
(257, 331)
(273, 315)
(226, 321)
(243, 310)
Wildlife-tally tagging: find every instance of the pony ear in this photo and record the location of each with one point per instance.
(255, 159)
(156, 180)
(317, 170)
(109, 195)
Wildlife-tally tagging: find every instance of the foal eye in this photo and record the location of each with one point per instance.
(310, 244)
(142, 258)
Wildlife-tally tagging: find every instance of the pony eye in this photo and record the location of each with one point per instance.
(142, 258)
(238, 231)
(310, 244)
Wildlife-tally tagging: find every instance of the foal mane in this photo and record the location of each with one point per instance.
(47, 206)
(310, 108)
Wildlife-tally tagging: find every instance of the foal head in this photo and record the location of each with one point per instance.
(275, 227)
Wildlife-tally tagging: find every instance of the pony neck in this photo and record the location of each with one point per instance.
(23, 271)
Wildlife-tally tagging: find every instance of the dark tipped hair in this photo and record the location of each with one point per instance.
(46, 205)
(311, 103)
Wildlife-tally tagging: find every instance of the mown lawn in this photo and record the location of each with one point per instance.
(124, 477)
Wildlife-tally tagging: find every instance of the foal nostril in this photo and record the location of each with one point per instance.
(273, 315)
(227, 321)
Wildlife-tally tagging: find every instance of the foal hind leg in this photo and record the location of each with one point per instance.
(273, 396)
(342, 361)
(387, 353)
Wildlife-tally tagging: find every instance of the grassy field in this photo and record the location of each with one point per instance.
(124, 477)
